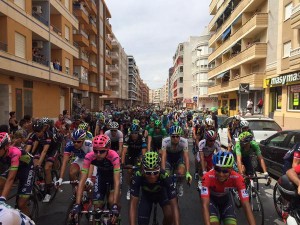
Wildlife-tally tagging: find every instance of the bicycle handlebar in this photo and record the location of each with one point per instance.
(70, 182)
(269, 180)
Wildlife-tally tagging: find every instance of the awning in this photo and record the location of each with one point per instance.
(222, 74)
(226, 33)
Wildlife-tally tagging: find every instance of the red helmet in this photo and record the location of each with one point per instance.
(101, 141)
(4, 139)
(210, 135)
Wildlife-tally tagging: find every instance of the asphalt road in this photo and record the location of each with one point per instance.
(55, 212)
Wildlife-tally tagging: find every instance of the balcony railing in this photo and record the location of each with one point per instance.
(93, 84)
(94, 3)
(93, 64)
(93, 23)
(40, 59)
(3, 46)
(296, 9)
(83, 81)
(40, 18)
(84, 57)
(79, 6)
(84, 34)
(295, 52)
(55, 29)
(94, 44)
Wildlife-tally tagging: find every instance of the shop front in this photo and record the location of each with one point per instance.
(282, 99)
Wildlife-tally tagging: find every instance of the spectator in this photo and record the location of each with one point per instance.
(260, 105)
(250, 105)
(4, 128)
(24, 130)
(13, 122)
(215, 119)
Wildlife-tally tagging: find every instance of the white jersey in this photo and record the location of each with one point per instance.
(117, 138)
(183, 145)
(10, 216)
(208, 150)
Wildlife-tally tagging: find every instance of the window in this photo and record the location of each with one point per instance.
(294, 140)
(278, 140)
(20, 3)
(67, 4)
(278, 94)
(67, 33)
(180, 90)
(293, 95)
(180, 79)
(20, 45)
(288, 11)
(287, 49)
(232, 104)
(67, 64)
(181, 69)
(263, 125)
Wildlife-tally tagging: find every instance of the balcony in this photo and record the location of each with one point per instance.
(40, 18)
(255, 80)
(114, 94)
(108, 76)
(92, 27)
(93, 68)
(213, 7)
(251, 28)
(114, 55)
(108, 58)
(255, 52)
(93, 6)
(108, 27)
(108, 41)
(217, 14)
(114, 82)
(92, 48)
(32, 70)
(82, 61)
(295, 59)
(3, 46)
(80, 13)
(81, 38)
(93, 87)
(113, 68)
(295, 17)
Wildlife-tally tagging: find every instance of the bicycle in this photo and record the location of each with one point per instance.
(254, 198)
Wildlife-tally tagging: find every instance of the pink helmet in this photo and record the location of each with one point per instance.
(4, 139)
(101, 141)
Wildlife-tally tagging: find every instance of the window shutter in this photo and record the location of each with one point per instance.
(67, 64)
(20, 45)
(67, 33)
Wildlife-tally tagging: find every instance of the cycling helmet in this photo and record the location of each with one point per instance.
(208, 117)
(157, 123)
(135, 121)
(237, 117)
(78, 135)
(210, 135)
(175, 123)
(113, 125)
(83, 126)
(175, 130)
(101, 141)
(38, 126)
(223, 159)
(151, 160)
(209, 122)
(245, 137)
(4, 139)
(244, 123)
(287, 189)
(134, 128)
(45, 120)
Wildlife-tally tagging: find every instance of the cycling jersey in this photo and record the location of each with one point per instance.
(165, 121)
(254, 147)
(212, 187)
(207, 151)
(134, 148)
(233, 130)
(89, 135)
(11, 216)
(199, 130)
(108, 165)
(115, 140)
(167, 146)
(80, 153)
(157, 138)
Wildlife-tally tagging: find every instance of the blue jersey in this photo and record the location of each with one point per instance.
(80, 153)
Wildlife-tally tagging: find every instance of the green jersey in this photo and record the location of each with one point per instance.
(254, 147)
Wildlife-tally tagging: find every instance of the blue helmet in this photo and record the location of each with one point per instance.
(175, 130)
(78, 135)
(223, 159)
(134, 128)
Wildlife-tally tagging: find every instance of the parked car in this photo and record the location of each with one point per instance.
(275, 147)
(262, 127)
(221, 119)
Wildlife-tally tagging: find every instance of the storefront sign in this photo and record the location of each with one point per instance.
(284, 79)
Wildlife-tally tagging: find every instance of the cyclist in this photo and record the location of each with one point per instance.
(232, 131)
(243, 150)
(116, 137)
(207, 147)
(156, 187)
(216, 200)
(165, 120)
(77, 147)
(156, 136)
(107, 162)
(85, 126)
(100, 125)
(175, 156)
(244, 126)
(134, 147)
(11, 216)
(16, 163)
(42, 145)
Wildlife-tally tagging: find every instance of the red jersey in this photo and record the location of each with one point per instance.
(212, 186)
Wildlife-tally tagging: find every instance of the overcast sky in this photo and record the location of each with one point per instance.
(151, 31)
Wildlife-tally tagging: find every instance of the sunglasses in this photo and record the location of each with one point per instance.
(99, 151)
(175, 136)
(149, 173)
(113, 130)
(77, 142)
(219, 170)
(134, 132)
(211, 140)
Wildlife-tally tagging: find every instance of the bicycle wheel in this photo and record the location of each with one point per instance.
(256, 206)
(55, 177)
(278, 200)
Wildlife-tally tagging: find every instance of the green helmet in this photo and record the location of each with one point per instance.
(157, 123)
(83, 126)
(245, 137)
(151, 160)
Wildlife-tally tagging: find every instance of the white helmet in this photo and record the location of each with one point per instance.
(244, 123)
(209, 122)
(237, 117)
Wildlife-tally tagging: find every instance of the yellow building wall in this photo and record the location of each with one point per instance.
(231, 95)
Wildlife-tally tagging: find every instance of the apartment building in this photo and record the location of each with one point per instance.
(119, 76)
(200, 68)
(239, 37)
(282, 83)
(133, 81)
(144, 94)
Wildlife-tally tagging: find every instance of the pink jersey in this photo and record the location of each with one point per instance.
(111, 163)
(14, 155)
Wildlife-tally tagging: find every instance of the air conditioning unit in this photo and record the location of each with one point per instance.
(85, 94)
(37, 9)
(37, 44)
